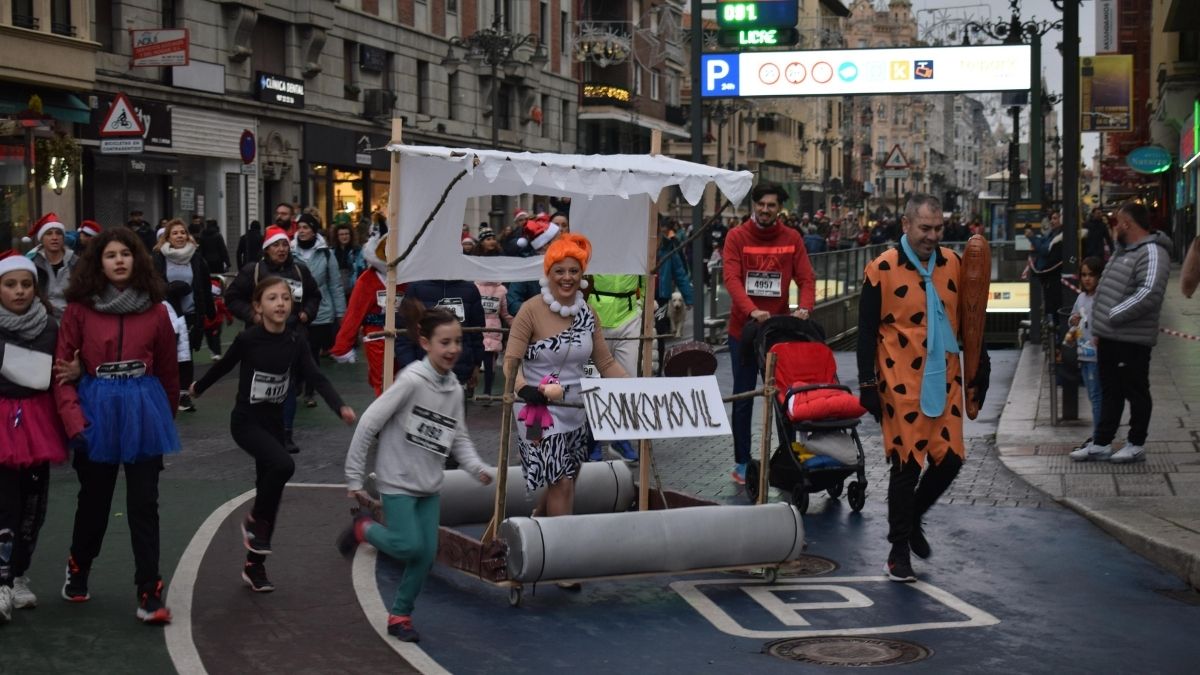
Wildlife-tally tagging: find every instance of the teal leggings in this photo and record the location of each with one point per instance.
(410, 536)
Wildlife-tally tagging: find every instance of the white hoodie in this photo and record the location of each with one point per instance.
(415, 423)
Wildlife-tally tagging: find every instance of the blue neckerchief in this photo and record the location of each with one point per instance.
(939, 337)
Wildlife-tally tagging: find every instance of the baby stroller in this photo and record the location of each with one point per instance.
(816, 418)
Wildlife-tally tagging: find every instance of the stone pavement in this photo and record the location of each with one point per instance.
(1153, 507)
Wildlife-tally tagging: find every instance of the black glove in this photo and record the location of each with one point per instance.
(868, 397)
(530, 394)
(983, 377)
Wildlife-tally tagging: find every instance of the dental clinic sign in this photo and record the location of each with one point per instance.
(844, 72)
(280, 90)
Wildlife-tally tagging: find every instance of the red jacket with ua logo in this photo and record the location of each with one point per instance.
(760, 264)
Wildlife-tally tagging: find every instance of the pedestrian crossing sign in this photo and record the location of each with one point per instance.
(121, 119)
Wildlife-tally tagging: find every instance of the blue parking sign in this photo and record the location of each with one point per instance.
(720, 75)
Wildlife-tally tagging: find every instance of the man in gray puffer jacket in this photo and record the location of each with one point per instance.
(1125, 319)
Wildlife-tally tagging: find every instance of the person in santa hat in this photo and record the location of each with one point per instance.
(54, 261)
(222, 317)
(86, 230)
(510, 234)
(536, 235)
(277, 261)
(365, 317)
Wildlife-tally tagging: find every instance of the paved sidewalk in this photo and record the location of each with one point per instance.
(1153, 507)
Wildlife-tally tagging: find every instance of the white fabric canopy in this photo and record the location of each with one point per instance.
(611, 199)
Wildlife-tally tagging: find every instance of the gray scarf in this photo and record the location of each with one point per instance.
(179, 256)
(25, 326)
(128, 301)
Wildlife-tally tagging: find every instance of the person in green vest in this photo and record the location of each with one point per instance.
(616, 300)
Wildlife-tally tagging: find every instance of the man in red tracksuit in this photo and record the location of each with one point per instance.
(762, 257)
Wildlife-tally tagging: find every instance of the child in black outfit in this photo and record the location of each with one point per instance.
(268, 352)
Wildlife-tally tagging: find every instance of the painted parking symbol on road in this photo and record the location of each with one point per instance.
(819, 606)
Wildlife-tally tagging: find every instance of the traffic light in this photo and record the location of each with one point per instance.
(765, 23)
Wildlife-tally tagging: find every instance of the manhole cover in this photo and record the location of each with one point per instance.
(850, 652)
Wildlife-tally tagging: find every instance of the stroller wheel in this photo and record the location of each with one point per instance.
(856, 494)
(800, 498)
(752, 481)
(835, 490)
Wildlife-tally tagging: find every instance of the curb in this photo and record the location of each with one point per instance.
(1179, 558)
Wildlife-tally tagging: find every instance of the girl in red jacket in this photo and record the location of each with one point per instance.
(120, 413)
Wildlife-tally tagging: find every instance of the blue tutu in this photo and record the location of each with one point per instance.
(129, 419)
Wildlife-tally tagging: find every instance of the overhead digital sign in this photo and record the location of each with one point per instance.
(768, 23)
(841, 72)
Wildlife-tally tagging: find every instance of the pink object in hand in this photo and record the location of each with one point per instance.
(537, 417)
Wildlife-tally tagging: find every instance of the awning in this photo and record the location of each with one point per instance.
(614, 114)
(62, 106)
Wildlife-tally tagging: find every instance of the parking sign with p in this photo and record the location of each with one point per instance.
(720, 75)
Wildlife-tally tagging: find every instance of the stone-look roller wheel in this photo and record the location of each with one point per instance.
(514, 596)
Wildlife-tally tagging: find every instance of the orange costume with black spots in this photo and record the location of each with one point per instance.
(893, 286)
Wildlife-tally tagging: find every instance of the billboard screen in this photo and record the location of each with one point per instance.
(838, 72)
(1106, 92)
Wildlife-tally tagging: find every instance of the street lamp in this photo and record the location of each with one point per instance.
(496, 47)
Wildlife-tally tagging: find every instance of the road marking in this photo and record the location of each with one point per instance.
(367, 589)
(719, 618)
(178, 633)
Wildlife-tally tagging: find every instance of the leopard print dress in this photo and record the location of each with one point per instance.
(901, 355)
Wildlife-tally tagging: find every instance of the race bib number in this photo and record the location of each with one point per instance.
(764, 284)
(589, 369)
(381, 300)
(297, 289)
(491, 305)
(430, 430)
(117, 370)
(454, 305)
(268, 387)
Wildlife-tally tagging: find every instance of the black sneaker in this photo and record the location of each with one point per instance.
(255, 576)
(185, 403)
(289, 444)
(75, 588)
(309, 402)
(151, 609)
(918, 543)
(353, 535)
(900, 569)
(401, 628)
(256, 535)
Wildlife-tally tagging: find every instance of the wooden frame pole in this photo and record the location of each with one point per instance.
(645, 449)
(501, 507)
(768, 409)
(393, 249)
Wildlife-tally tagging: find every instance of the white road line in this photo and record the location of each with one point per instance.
(719, 618)
(367, 590)
(178, 633)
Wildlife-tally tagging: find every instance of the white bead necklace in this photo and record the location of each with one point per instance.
(556, 306)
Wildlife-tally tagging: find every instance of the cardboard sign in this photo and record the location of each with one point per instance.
(654, 407)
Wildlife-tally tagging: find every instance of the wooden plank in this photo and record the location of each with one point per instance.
(645, 448)
(501, 482)
(392, 249)
(768, 409)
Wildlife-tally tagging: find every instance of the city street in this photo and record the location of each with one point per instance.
(1016, 583)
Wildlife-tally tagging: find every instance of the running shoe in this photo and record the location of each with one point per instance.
(255, 576)
(1092, 453)
(597, 454)
(310, 402)
(917, 541)
(216, 357)
(1129, 453)
(900, 569)
(738, 474)
(256, 535)
(151, 609)
(289, 444)
(627, 451)
(353, 535)
(6, 604)
(401, 628)
(75, 588)
(23, 596)
(185, 403)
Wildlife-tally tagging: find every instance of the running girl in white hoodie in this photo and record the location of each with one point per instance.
(416, 423)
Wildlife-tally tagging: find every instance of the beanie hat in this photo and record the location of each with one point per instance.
(273, 234)
(570, 245)
(486, 233)
(47, 223)
(90, 228)
(11, 261)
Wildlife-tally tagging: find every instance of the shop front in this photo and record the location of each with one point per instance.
(116, 185)
(346, 175)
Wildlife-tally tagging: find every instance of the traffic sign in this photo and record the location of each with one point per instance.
(895, 159)
(247, 147)
(121, 120)
(895, 173)
(121, 146)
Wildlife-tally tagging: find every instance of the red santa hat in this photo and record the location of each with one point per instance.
(90, 228)
(520, 213)
(539, 232)
(47, 223)
(217, 287)
(273, 234)
(11, 261)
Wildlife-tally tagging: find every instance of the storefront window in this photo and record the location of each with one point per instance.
(14, 198)
(380, 186)
(318, 177)
(347, 197)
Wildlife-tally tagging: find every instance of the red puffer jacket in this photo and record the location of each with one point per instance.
(105, 338)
